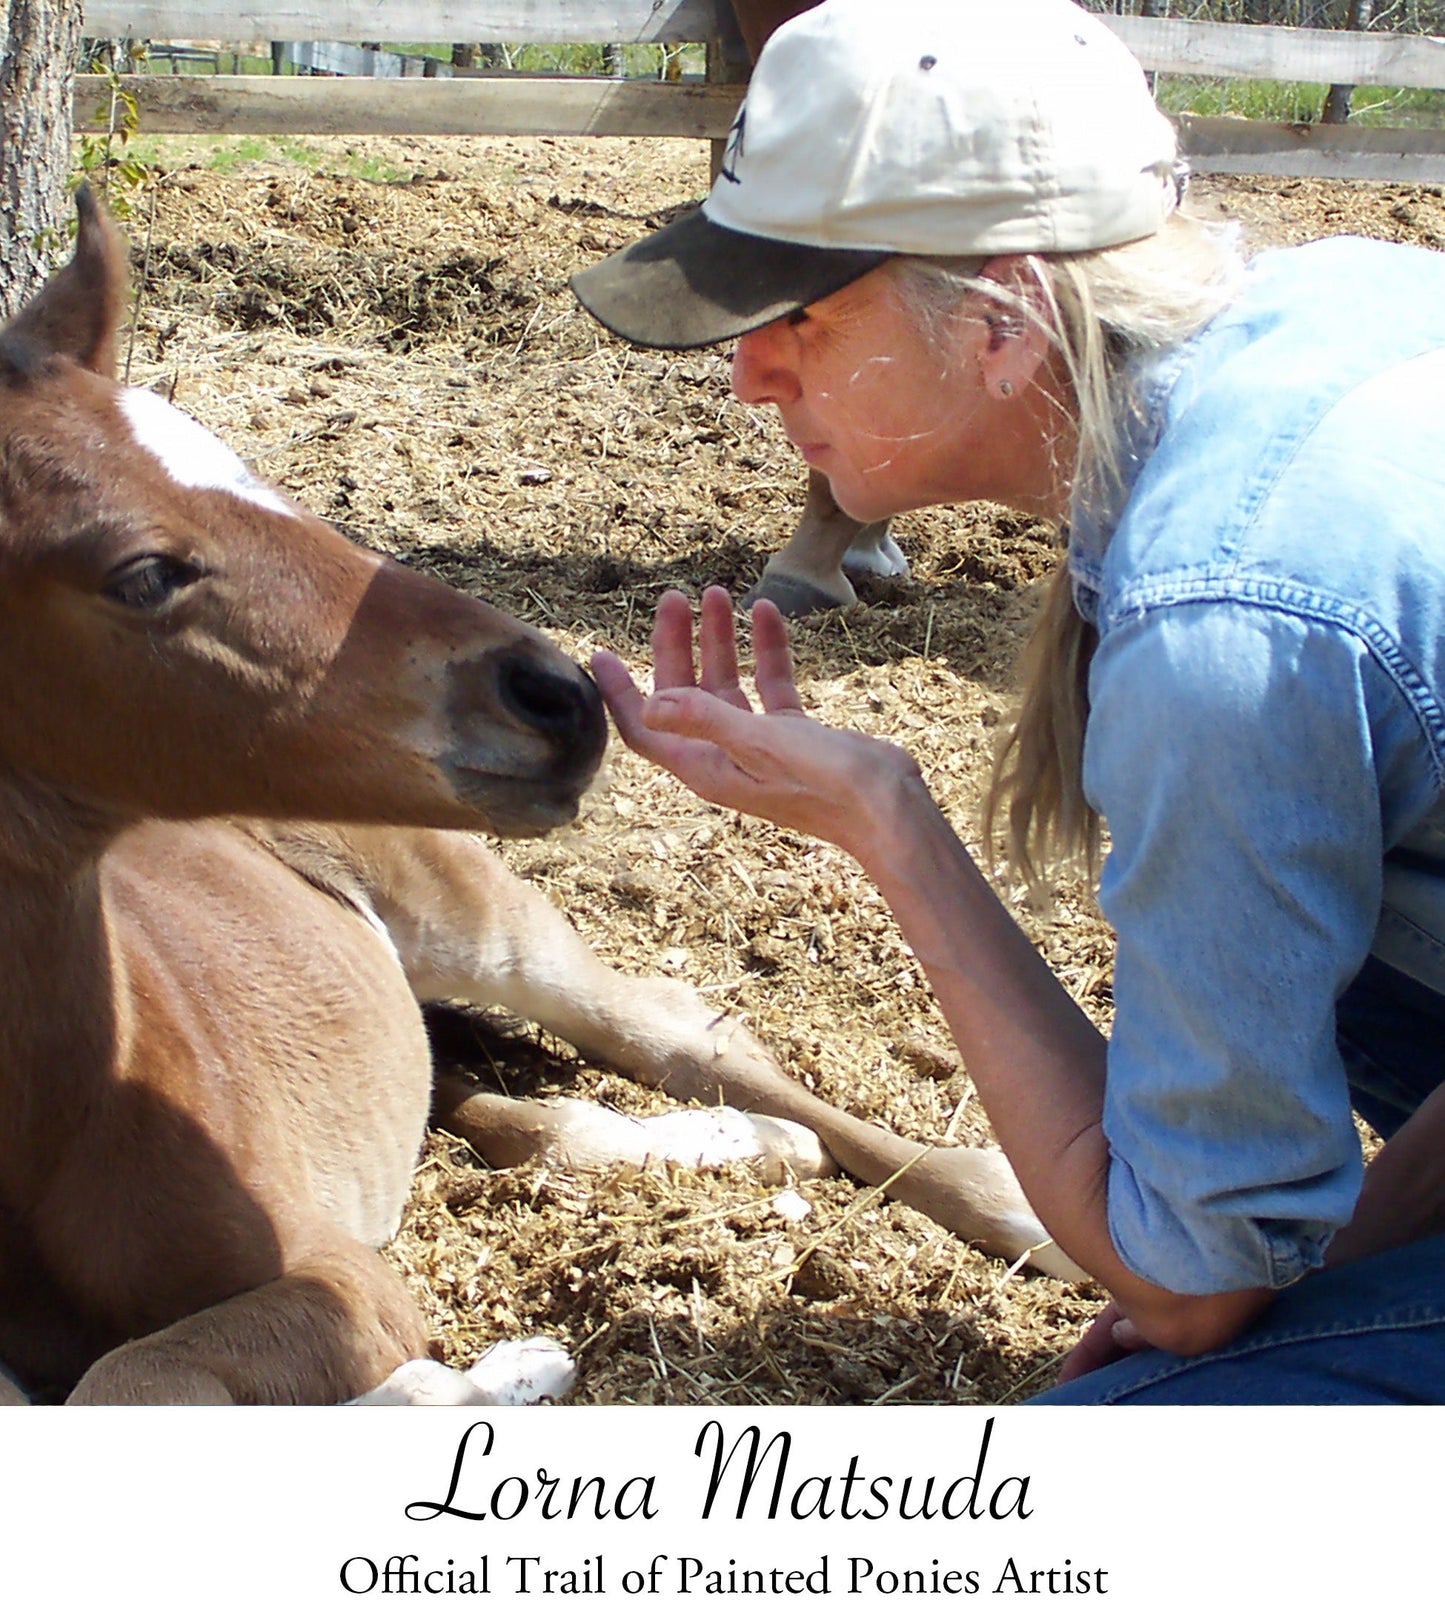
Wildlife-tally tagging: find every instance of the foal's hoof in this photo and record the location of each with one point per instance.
(520, 1372)
(523, 1372)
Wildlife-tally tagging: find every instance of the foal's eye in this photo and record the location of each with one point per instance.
(149, 580)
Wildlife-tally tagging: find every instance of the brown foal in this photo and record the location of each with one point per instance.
(214, 1075)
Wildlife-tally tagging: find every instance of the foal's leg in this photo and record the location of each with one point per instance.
(466, 928)
(335, 1325)
(509, 1130)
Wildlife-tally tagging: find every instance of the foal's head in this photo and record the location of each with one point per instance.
(179, 639)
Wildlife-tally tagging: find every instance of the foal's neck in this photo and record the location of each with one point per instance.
(49, 839)
(56, 1006)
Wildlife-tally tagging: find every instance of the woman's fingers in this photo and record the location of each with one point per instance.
(773, 659)
(686, 759)
(700, 714)
(717, 749)
(795, 772)
(717, 645)
(1111, 1336)
(716, 668)
(698, 723)
(672, 642)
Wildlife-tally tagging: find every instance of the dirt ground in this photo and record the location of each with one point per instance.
(403, 355)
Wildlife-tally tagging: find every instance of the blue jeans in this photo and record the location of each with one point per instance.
(1368, 1333)
(1390, 1030)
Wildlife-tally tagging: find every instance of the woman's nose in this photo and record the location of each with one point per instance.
(762, 369)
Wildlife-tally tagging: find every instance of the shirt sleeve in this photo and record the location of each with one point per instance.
(1233, 750)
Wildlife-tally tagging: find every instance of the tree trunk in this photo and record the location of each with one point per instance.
(39, 41)
(1337, 102)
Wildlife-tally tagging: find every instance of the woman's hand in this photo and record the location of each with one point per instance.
(778, 763)
(1111, 1336)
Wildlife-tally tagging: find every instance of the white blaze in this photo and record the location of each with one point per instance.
(191, 455)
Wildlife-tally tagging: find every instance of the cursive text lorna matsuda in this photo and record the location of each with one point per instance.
(751, 1477)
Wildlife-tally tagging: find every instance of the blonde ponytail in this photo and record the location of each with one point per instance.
(1038, 771)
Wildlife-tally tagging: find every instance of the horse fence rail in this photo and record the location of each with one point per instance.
(492, 101)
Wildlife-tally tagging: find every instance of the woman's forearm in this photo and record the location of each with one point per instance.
(1037, 1062)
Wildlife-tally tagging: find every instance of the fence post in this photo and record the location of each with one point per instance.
(727, 63)
(1337, 101)
(1153, 8)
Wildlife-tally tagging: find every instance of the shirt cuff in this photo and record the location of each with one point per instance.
(1193, 1250)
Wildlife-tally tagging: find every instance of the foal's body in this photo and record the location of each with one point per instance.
(214, 1074)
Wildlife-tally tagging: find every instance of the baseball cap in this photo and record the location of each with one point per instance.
(950, 128)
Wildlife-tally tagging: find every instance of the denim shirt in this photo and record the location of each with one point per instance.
(1266, 741)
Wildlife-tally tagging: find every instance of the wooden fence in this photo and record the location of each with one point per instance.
(507, 103)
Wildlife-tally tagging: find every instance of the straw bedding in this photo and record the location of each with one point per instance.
(404, 357)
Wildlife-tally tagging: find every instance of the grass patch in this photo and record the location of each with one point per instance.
(226, 153)
(1280, 101)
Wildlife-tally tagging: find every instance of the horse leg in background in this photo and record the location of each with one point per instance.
(467, 929)
(809, 572)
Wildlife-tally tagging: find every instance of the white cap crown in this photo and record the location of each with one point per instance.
(947, 127)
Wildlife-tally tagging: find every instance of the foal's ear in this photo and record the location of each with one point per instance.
(76, 312)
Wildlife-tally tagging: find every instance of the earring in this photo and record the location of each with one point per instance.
(1005, 388)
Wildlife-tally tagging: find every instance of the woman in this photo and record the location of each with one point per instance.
(947, 243)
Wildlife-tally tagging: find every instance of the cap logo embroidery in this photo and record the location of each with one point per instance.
(733, 151)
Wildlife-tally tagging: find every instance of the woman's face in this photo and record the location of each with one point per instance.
(894, 421)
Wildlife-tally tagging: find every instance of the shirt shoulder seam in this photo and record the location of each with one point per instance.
(1292, 599)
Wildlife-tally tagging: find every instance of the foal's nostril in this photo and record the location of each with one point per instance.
(565, 707)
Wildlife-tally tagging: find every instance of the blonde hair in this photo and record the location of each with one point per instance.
(1103, 313)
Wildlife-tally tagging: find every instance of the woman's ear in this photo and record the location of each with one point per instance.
(1018, 345)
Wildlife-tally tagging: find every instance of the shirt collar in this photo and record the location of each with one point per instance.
(1148, 383)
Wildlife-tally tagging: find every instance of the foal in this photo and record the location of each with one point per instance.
(214, 1074)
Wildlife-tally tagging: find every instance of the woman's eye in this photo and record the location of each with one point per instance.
(149, 581)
